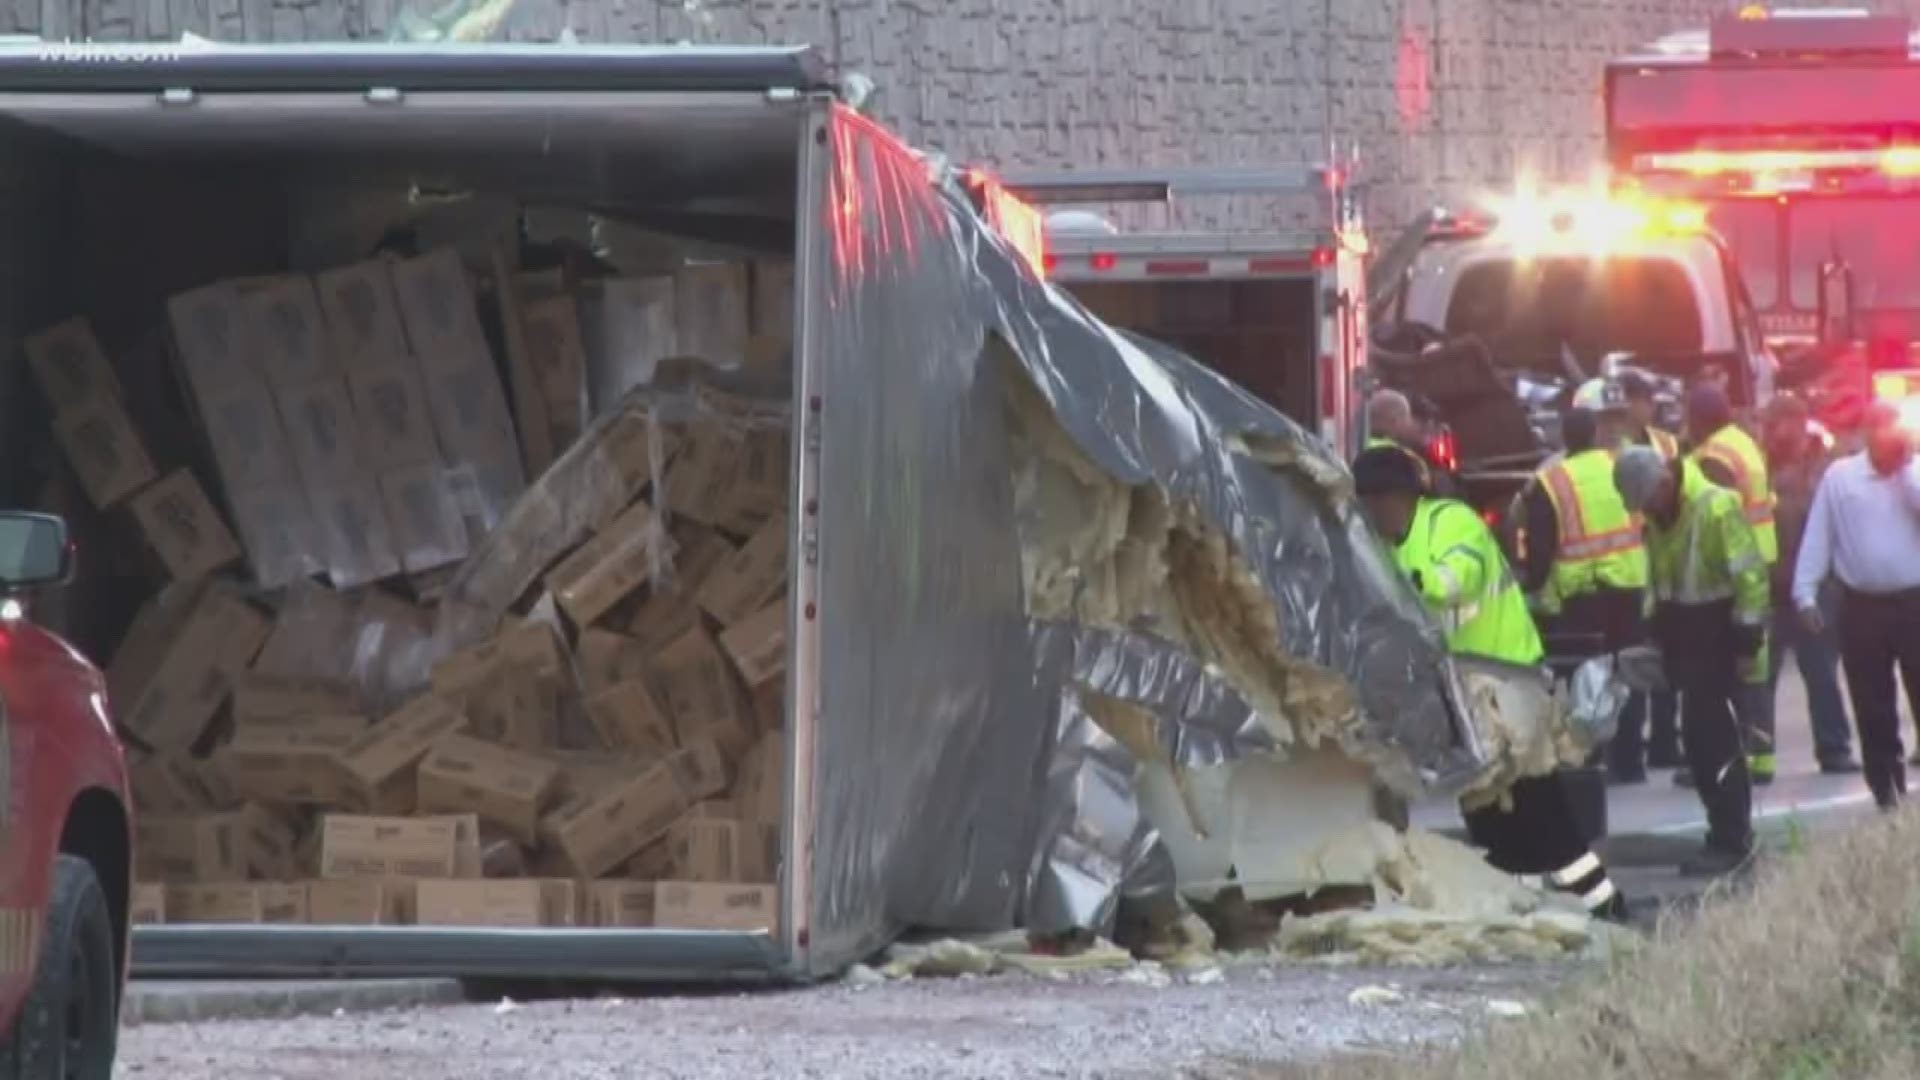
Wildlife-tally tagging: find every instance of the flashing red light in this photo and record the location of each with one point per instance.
(1491, 517)
(1444, 450)
(1323, 256)
(1051, 262)
(1103, 260)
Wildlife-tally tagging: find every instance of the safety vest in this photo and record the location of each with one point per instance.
(1466, 585)
(1663, 442)
(1710, 553)
(1736, 452)
(1378, 442)
(1600, 543)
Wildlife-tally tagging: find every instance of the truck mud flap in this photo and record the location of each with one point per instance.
(688, 956)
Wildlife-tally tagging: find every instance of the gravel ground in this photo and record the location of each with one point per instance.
(1108, 1026)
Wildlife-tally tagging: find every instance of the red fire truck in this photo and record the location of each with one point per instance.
(1798, 132)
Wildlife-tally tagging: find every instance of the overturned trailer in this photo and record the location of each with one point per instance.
(1011, 531)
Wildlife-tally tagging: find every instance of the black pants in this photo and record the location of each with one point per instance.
(1699, 646)
(1540, 835)
(1879, 632)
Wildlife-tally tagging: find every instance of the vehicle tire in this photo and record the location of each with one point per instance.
(69, 1027)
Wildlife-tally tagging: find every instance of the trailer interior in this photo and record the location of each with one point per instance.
(130, 183)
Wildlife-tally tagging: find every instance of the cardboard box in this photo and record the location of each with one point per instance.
(437, 308)
(322, 431)
(620, 903)
(762, 791)
(357, 538)
(598, 832)
(629, 717)
(525, 903)
(758, 644)
(700, 690)
(690, 905)
(170, 708)
(773, 291)
(704, 467)
(756, 491)
(554, 346)
(396, 423)
(650, 864)
(609, 567)
(628, 327)
(607, 659)
(663, 618)
(750, 579)
(705, 849)
(104, 449)
(170, 785)
(698, 551)
(629, 445)
(235, 845)
(148, 904)
(382, 848)
(277, 527)
(70, 366)
(711, 317)
(428, 527)
(534, 646)
(518, 707)
(469, 410)
(713, 810)
(214, 336)
(363, 315)
(509, 789)
(531, 407)
(283, 902)
(289, 330)
(770, 704)
(181, 526)
(380, 764)
(701, 770)
(226, 902)
(244, 431)
(759, 851)
(289, 764)
(588, 772)
(359, 902)
(263, 700)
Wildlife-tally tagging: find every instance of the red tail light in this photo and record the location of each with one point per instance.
(1491, 517)
(1443, 451)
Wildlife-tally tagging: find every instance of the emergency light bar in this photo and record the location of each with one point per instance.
(1756, 32)
(1898, 161)
(1586, 219)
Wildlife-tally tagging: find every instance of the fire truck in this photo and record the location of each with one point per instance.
(1798, 134)
(1280, 311)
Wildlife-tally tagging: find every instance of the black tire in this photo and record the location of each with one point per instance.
(70, 1024)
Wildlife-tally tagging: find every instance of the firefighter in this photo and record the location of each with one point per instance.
(1462, 578)
(1635, 750)
(1711, 597)
(1642, 430)
(1730, 457)
(1585, 566)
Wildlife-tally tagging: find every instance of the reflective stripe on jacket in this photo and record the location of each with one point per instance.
(1600, 541)
(1735, 451)
(1466, 585)
(1710, 553)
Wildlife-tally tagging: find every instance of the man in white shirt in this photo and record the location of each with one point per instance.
(1864, 530)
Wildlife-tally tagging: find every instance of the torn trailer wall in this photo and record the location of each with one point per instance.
(1021, 511)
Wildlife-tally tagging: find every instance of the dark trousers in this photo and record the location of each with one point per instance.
(1698, 644)
(1540, 835)
(1879, 632)
(1817, 657)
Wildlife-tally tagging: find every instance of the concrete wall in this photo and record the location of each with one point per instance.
(1437, 94)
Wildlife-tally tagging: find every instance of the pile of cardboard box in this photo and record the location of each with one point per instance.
(607, 751)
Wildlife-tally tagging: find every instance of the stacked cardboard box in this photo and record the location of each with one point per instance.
(609, 752)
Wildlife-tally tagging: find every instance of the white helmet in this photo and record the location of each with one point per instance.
(1599, 396)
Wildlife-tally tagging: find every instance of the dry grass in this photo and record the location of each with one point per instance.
(1814, 974)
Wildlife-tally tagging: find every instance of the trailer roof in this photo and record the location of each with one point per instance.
(28, 65)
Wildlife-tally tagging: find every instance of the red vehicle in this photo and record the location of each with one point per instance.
(1798, 134)
(65, 854)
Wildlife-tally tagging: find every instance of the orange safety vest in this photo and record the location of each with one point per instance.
(1736, 452)
(1663, 441)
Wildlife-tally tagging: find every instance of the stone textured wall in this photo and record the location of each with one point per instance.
(1436, 94)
